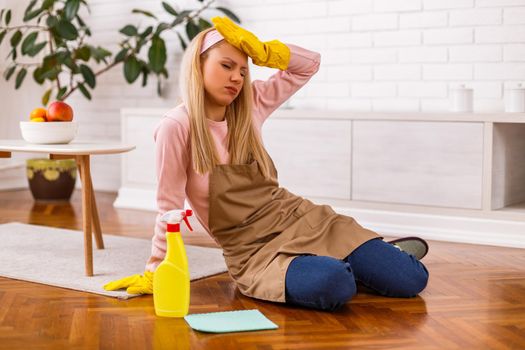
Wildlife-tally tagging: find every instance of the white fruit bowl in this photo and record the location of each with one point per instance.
(48, 132)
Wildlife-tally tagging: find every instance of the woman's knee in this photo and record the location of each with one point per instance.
(387, 270)
(320, 282)
(412, 282)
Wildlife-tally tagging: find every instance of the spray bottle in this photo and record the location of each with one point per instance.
(171, 282)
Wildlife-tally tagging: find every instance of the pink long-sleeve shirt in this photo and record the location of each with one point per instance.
(177, 180)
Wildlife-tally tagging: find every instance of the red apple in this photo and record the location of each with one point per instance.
(59, 111)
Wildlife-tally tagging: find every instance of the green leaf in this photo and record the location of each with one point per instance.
(61, 93)
(68, 61)
(15, 39)
(99, 52)
(45, 97)
(131, 69)
(157, 54)
(180, 18)
(191, 29)
(9, 72)
(50, 67)
(229, 14)
(84, 91)
(8, 17)
(20, 77)
(121, 55)
(203, 24)
(169, 9)
(50, 74)
(36, 49)
(159, 87)
(51, 21)
(29, 42)
(146, 32)
(67, 30)
(47, 4)
(71, 8)
(129, 30)
(80, 21)
(182, 42)
(37, 75)
(146, 13)
(162, 27)
(32, 14)
(88, 75)
(145, 73)
(83, 53)
(2, 35)
(30, 7)
(13, 54)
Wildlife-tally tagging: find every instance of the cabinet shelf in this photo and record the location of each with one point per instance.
(514, 208)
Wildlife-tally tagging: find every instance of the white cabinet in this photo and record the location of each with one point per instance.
(422, 163)
(312, 157)
(456, 177)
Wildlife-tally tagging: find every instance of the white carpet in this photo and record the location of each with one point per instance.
(56, 257)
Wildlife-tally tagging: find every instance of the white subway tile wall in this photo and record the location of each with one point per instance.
(377, 55)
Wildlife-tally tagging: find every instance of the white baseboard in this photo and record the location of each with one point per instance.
(12, 175)
(13, 184)
(506, 233)
(135, 198)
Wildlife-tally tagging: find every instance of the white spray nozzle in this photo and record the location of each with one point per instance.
(175, 216)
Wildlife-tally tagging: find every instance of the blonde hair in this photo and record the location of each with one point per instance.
(244, 143)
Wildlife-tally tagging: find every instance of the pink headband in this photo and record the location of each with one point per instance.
(211, 38)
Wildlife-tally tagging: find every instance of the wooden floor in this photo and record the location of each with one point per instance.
(475, 300)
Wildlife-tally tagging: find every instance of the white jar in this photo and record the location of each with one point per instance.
(462, 99)
(515, 99)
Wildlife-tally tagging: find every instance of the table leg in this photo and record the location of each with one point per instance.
(83, 162)
(96, 221)
(94, 211)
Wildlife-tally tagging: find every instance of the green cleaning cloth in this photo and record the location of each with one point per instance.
(230, 321)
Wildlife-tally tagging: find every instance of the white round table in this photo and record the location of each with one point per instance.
(80, 151)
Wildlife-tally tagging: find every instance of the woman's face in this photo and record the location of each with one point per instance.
(224, 70)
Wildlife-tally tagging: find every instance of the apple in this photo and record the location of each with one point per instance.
(59, 111)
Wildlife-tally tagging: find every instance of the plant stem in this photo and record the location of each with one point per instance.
(25, 65)
(52, 50)
(24, 27)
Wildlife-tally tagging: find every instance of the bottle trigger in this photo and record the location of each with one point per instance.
(185, 218)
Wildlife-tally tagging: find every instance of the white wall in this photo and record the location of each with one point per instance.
(377, 55)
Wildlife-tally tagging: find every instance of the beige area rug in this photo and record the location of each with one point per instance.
(56, 257)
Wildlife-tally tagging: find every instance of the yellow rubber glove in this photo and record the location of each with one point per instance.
(135, 284)
(273, 54)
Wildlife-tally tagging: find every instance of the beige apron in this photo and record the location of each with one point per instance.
(261, 227)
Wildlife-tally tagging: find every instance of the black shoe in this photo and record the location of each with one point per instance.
(412, 245)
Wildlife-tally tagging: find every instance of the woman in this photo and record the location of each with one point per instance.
(277, 246)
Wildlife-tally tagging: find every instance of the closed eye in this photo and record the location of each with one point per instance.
(228, 67)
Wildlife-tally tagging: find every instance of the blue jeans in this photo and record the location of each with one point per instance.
(326, 283)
